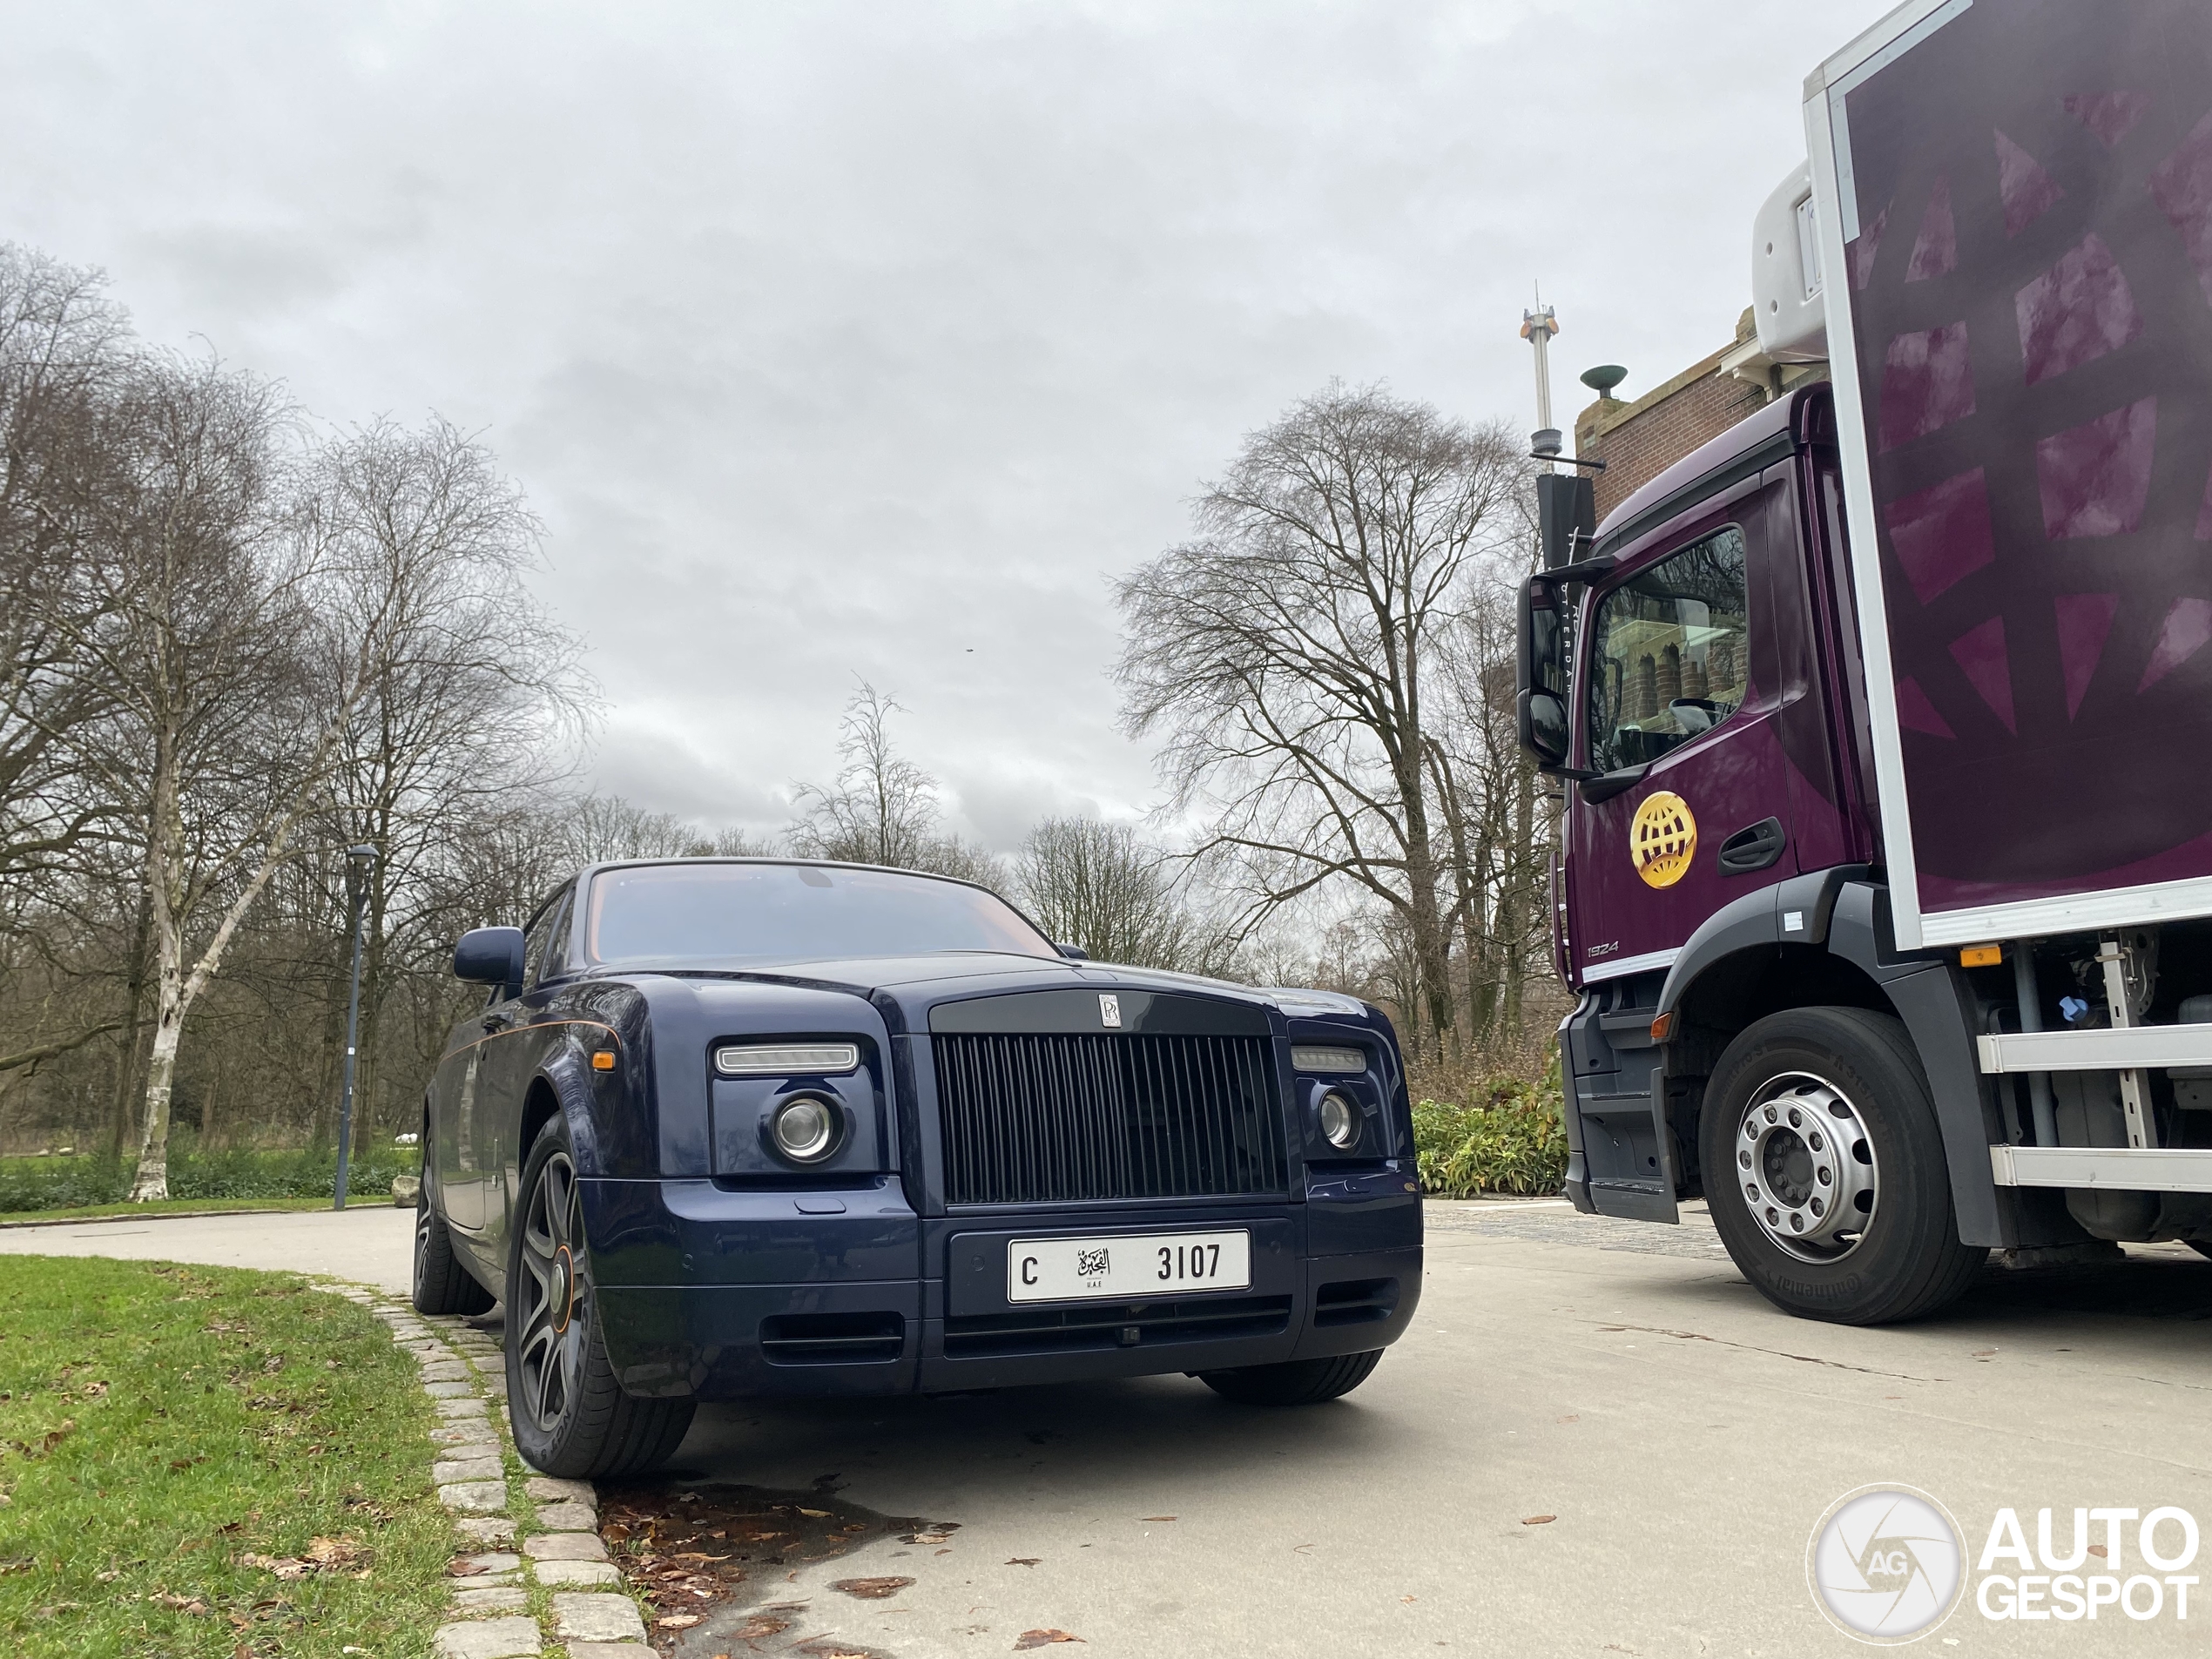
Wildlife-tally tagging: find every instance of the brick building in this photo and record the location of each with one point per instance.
(1639, 441)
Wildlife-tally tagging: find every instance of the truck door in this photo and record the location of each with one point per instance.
(1680, 696)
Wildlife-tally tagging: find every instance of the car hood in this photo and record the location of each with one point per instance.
(938, 973)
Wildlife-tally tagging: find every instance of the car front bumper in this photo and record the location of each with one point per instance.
(717, 1294)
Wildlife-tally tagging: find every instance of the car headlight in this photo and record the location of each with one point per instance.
(787, 1059)
(1339, 1121)
(804, 1129)
(1319, 1058)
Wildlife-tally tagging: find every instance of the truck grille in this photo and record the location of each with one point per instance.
(1041, 1118)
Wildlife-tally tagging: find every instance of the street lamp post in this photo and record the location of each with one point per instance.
(359, 861)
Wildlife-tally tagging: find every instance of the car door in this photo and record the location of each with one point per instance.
(1681, 699)
(511, 1053)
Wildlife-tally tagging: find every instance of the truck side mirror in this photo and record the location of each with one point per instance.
(1565, 517)
(1540, 703)
(490, 956)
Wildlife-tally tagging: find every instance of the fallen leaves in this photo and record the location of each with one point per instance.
(1025, 1560)
(937, 1532)
(871, 1590)
(676, 1621)
(48, 1441)
(332, 1556)
(761, 1625)
(1030, 1639)
(190, 1605)
(1155, 1517)
(1538, 1521)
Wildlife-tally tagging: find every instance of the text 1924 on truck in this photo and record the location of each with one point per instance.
(1886, 868)
(727, 1129)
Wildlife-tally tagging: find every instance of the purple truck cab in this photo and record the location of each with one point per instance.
(1885, 876)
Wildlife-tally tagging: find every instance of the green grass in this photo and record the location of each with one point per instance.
(30, 1183)
(159, 1424)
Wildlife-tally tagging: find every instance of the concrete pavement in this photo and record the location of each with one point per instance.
(1622, 1379)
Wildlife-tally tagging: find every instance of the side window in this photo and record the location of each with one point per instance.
(534, 937)
(1668, 657)
(556, 947)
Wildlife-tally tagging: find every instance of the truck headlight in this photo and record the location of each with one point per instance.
(804, 1129)
(1339, 1121)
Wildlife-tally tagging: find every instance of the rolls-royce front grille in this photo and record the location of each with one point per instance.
(1046, 1117)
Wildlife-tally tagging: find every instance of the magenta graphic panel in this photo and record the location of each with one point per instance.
(2031, 301)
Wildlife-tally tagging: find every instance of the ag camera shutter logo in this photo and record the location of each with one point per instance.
(1885, 1564)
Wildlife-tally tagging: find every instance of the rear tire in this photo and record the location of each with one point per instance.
(1296, 1382)
(569, 1415)
(442, 1283)
(1851, 1220)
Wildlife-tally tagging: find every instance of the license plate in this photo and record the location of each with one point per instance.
(1127, 1266)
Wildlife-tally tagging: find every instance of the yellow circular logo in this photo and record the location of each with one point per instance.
(1663, 839)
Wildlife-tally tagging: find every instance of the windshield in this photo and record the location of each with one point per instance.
(762, 912)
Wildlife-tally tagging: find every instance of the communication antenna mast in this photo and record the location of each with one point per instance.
(1537, 327)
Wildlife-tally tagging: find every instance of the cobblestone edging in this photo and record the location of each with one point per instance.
(541, 1573)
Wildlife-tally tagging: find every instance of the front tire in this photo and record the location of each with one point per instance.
(1295, 1382)
(1824, 1169)
(569, 1414)
(441, 1285)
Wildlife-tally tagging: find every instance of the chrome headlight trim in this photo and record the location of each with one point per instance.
(1339, 1117)
(786, 1058)
(806, 1129)
(1331, 1060)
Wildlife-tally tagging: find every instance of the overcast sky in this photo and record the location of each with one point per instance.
(871, 341)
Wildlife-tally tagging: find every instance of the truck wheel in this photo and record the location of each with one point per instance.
(442, 1283)
(570, 1416)
(1840, 1207)
(1296, 1382)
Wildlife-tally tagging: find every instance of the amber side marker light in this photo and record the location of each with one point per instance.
(1981, 955)
(604, 1060)
(1662, 1026)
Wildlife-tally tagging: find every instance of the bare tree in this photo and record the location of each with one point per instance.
(1099, 887)
(1291, 657)
(882, 808)
(471, 695)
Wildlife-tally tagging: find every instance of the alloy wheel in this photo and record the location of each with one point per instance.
(557, 1301)
(1804, 1165)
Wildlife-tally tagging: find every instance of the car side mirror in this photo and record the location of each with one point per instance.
(490, 956)
(1073, 952)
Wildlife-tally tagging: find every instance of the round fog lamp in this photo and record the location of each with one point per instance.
(804, 1128)
(1339, 1121)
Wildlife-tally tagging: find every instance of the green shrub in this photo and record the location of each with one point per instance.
(1511, 1136)
(75, 1182)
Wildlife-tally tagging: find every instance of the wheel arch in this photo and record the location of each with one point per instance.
(1826, 940)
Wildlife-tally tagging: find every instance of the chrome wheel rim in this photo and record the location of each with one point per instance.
(556, 1296)
(1805, 1167)
(421, 1240)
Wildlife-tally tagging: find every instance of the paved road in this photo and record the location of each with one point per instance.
(370, 1243)
(1619, 1377)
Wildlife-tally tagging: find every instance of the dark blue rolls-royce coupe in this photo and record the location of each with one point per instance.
(731, 1128)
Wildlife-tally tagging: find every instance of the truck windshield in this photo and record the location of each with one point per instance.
(792, 912)
(1668, 664)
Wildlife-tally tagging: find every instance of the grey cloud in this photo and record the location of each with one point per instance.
(872, 339)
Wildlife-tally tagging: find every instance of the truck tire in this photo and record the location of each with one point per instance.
(1840, 1204)
(441, 1285)
(1295, 1382)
